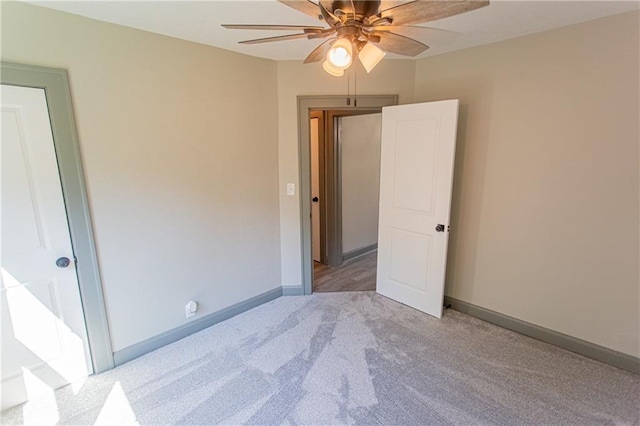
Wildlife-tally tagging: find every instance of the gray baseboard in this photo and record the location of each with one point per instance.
(582, 347)
(134, 351)
(292, 290)
(358, 252)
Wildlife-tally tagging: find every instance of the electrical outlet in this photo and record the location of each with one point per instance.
(190, 308)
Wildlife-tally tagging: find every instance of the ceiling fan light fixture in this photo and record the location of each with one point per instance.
(341, 54)
(364, 28)
(329, 68)
(370, 55)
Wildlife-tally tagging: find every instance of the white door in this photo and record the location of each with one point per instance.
(416, 174)
(44, 341)
(315, 190)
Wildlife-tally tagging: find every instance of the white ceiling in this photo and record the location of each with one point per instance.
(200, 21)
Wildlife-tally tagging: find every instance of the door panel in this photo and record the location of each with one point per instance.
(418, 148)
(415, 166)
(43, 329)
(408, 249)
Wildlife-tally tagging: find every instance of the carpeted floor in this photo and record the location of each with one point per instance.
(338, 358)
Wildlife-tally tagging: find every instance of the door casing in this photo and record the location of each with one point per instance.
(55, 83)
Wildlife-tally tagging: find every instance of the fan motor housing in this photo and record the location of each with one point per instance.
(363, 9)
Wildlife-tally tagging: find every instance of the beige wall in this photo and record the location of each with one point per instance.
(179, 143)
(296, 79)
(545, 208)
(360, 167)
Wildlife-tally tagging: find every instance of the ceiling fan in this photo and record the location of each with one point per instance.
(366, 29)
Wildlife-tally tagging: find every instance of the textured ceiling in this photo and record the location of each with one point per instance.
(200, 21)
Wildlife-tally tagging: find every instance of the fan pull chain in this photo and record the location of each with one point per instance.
(355, 88)
(348, 86)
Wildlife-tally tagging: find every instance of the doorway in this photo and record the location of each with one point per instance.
(307, 105)
(416, 177)
(345, 177)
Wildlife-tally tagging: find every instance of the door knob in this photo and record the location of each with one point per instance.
(63, 262)
(314, 199)
(440, 228)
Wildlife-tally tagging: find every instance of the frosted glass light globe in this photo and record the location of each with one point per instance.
(340, 57)
(341, 54)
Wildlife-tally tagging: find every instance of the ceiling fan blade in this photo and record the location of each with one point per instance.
(271, 27)
(416, 12)
(320, 52)
(278, 38)
(305, 6)
(395, 43)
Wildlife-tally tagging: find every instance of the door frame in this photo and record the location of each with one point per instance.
(55, 83)
(306, 104)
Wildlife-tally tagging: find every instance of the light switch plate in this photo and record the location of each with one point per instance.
(291, 189)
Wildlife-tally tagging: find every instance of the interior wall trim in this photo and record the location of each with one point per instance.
(138, 349)
(292, 290)
(564, 341)
(358, 252)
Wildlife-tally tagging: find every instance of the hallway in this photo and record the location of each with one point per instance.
(358, 274)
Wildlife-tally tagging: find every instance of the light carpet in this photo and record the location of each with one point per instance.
(349, 358)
